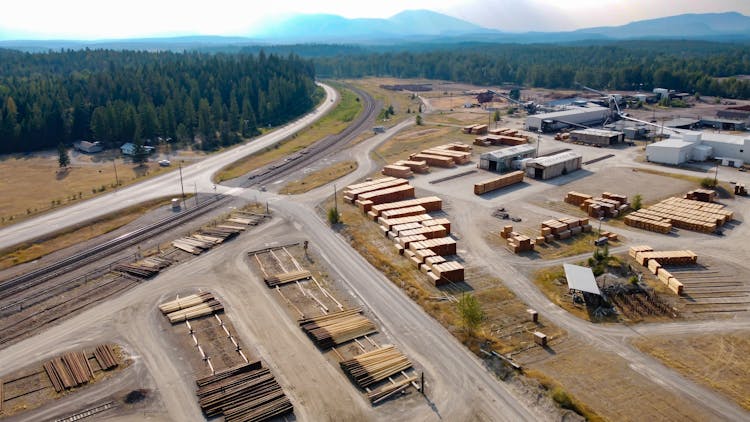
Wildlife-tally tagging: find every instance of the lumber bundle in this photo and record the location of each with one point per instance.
(479, 129)
(430, 204)
(682, 213)
(185, 302)
(495, 139)
(430, 232)
(390, 222)
(659, 226)
(564, 228)
(468, 129)
(396, 170)
(189, 307)
(389, 390)
(105, 356)
(576, 198)
(405, 241)
(633, 252)
(702, 195)
(397, 230)
(455, 146)
(397, 193)
(449, 271)
(458, 157)
(145, 268)
(336, 328)
(404, 212)
(68, 371)
(498, 182)
(667, 257)
(433, 160)
(374, 366)
(245, 219)
(517, 242)
(414, 166)
(439, 222)
(244, 393)
(284, 278)
(442, 246)
(352, 194)
(670, 281)
(193, 245)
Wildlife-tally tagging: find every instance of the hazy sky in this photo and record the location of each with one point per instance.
(92, 19)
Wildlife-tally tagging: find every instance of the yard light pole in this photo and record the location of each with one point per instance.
(182, 187)
(716, 174)
(538, 141)
(117, 179)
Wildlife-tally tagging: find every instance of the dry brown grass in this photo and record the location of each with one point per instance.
(74, 235)
(334, 122)
(551, 281)
(574, 246)
(34, 184)
(319, 178)
(718, 361)
(416, 139)
(401, 101)
(562, 397)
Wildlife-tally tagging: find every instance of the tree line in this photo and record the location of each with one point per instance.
(126, 96)
(707, 68)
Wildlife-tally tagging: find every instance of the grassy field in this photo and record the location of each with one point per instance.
(348, 108)
(416, 139)
(34, 184)
(718, 361)
(403, 104)
(319, 178)
(73, 235)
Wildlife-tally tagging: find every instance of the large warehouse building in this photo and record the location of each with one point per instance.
(502, 160)
(586, 116)
(597, 136)
(554, 165)
(699, 146)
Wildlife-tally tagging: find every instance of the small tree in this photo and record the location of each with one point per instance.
(708, 182)
(471, 313)
(496, 116)
(419, 120)
(333, 216)
(637, 202)
(63, 159)
(140, 155)
(390, 110)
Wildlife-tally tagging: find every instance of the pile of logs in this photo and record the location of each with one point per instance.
(337, 327)
(284, 278)
(243, 393)
(192, 244)
(372, 367)
(69, 371)
(389, 390)
(105, 356)
(245, 219)
(145, 268)
(189, 307)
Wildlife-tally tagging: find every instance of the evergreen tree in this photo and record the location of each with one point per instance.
(63, 159)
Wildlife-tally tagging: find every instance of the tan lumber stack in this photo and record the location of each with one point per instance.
(458, 157)
(702, 195)
(336, 328)
(483, 141)
(430, 204)
(498, 182)
(69, 370)
(576, 198)
(443, 246)
(374, 366)
(456, 146)
(284, 278)
(479, 129)
(401, 228)
(395, 170)
(501, 131)
(439, 222)
(450, 271)
(654, 266)
(633, 252)
(183, 310)
(404, 212)
(388, 223)
(670, 281)
(393, 194)
(428, 232)
(667, 257)
(185, 302)
(682, 213)
(405, 241)
(519, 243)
(434, 160)
(659, 226)
(351, 195)
(507, 230)
(415, 166)
(468, 129)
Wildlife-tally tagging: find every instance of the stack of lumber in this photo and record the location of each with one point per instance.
(245, 219)
(105, 356)
(468, 129)
(442, 246)
(703, 195)
(222, 232)
(439, 222)
(564, 228)
(395, 170)
(192, 244)
(388, 223)
(654, 224)
(352, 192)
(498, 182)
(683, 213)
(576, 198)
(479, 129)
(519, 243)
(193, 306)
(430, 232)
(433, 160)
(397, 230)
(482, 141)
(667, 257)
(389, 390)
(244, 393)
(430, 204)
(488, 140)
(374, 366)
(337, 327)
(392, 194)
(448, 271)
(634, 250)
(415, 166)
(458, 157)
(284, 278)
(455, 146)
(145, 268)
(405, 241)
(670, 281)
(68, 371)
(404, 212)
(621, 199)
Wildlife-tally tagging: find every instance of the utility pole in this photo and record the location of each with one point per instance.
(538, 141)
(716, 174)
(335, 202)
(195, 186)
(117, 179)
(182, 187)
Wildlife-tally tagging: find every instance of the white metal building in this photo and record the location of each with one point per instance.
(700, 146)
(672, 151)
(554, 165)
(503, 160)
(586, 116)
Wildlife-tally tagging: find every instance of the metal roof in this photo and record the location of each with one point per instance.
(671, 143)
(596, 132)
(570, 112)
(509, 152)
(581, 278)
(556, 159)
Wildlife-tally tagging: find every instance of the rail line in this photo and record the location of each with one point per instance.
(32, 278)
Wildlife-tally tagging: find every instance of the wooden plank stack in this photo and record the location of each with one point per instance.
(145, 268)
(392, 194)
(372, 367)
(389, 390)
(332, 329)
(193, 306)
(414, 166)
(404, 212)
(449, 271)
(577, 198)
(458, 157)
(68, 371)
(395, 170)
(517, 242)
(475, 129)
(498, 182)
(656, 260)
(105, 356)
(352, 192)
(430, 204)
(434, 160)
(456, 146)
(494, 139)
(702, 195)
(388, 223)
(682, 213)
(284, 278)
(443, 246)
(564, 228)
(244, 393)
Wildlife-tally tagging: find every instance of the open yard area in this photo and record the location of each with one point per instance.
(718, 361)
(318, 178)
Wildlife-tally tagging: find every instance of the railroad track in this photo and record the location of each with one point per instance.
(88, 412)
(319, 149)
(30, 279)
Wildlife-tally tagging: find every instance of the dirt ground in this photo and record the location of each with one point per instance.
(318, 178)
(718, 361)
(401, 101)
(607, 384)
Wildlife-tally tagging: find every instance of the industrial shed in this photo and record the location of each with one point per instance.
(575, 116)
(671, 151)
(502, 160)
(597, 136)
(554, 165)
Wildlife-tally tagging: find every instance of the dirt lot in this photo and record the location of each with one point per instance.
(718, 361)
(607, 384)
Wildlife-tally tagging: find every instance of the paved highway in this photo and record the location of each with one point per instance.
(198, 174)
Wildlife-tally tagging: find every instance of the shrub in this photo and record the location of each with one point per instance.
(333, 216)
(708, 183)
(637, 202)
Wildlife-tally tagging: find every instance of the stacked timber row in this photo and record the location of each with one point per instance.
(414, 166)
(607, 205)
(190, 307)
(145, 268)
(397, 193)
(564, 228)
(702, 195)
(332, 329)
(475, 129)
(284, 278)
(208, 237)
(352, 192)
(68, 371)
(105, 356)
(517, 242)
(577, 198)
(244, 393)
(498, 182)
(458, 157)
(372, 367)
(430, 204)
(682, 213)
(433, 160)
(396, 170)
(655, 262)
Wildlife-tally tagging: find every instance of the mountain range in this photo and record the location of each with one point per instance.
(419, 26)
